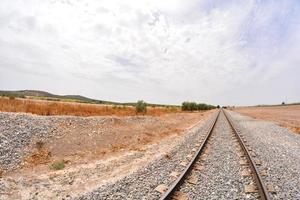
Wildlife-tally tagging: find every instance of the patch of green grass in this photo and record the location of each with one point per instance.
(58, 165)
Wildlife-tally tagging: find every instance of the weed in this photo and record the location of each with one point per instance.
(39, 145)
(58, 165)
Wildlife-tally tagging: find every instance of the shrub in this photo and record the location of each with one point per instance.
(39, 145)
(11, 97)
(58, 165)
(192, 106)
(141, 107)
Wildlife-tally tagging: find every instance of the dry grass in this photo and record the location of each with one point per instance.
(42, 107)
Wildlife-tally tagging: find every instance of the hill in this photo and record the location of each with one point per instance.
(38, 94)
(42, 95)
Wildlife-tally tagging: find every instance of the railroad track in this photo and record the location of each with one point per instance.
(259, 188)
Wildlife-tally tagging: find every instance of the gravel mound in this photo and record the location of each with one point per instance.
(17, 133)
(20, 132)
(279, 151)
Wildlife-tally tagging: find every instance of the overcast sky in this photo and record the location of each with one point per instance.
(162, 51)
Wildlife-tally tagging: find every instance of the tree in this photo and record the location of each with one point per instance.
(141, 107)
(192, 106)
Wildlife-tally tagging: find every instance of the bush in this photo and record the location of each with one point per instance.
(141, 107)
(192, 106)
(11, 97)
(58, 165)
(39, 145)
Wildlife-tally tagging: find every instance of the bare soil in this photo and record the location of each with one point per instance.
(286, 116)
(97, 151)
(94, 139)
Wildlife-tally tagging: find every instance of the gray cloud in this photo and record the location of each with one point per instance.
(166, 52)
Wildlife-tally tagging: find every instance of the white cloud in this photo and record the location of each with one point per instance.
(161, 51)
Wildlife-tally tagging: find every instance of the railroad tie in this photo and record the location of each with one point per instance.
(198, 167)
(271, 189)
(246, 172)
(257, 162)
(263, 172)
(243, 162)
(192, 180)
(175, 174)
(251, 188)
(161, 188)
(180, 196)
(183, 163)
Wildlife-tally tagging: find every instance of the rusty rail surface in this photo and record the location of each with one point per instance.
(181, 178)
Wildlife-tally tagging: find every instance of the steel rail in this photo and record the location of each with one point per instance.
(262, 190)
(170, 192)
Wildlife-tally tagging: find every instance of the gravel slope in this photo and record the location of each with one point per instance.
(279, 151)
(141, 184)
(18, 132)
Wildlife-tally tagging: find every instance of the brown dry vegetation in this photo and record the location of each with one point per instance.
(42, 107)
(286, 116)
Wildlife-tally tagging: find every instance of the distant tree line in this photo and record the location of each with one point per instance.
(193, 106)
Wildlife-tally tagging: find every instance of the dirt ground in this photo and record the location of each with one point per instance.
(89, 138)
(286, 116)
(97, 151)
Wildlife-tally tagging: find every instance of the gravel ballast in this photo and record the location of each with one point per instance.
(279, 151)
(276, 147)
(221, 177)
